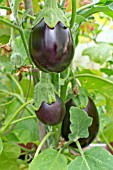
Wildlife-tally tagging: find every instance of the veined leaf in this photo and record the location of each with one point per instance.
(100, 85)
(80, 122)
(96, 158)
(49, 159)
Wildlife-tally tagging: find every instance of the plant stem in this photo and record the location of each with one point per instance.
(28, 88)
(42, 133)
(20, 12)
(63, 92)
(29, 5)
(23, 118)
(82, 153)
(19, 98)
(51, 3)
(42, 142)
(4, 104)
(9, 24)
(66, 145)
(73, 16)
(15, 114)
(13, 126)
(107, 142)
(22, 36)
(62, 3)
(84, 7)
(25, 45)
(27, 150)
(55, 80)
(56, 136)
(93, 76)
(17, 84)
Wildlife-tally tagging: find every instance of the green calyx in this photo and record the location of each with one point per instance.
(51, 15)
(44, 91)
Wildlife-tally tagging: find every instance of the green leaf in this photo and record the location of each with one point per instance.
(97, 158)
(80, 122)
(25, 131)
(11, 150)
(4, 33)
(100, 85)
(44, 91)
(1, 146)
(107, 71)
(81, 100)
(49, 159)
(99, 53)
(9, 155)
(7, 163)
(94, 9)
(19, 47)
(80, 19)
(111, 6)
(107, 131)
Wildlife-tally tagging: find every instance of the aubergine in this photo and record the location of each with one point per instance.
(51, 49)
(93, 129)
(51, 114)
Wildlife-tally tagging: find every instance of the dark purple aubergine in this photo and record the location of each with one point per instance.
(51, 49)
(51, 114)
(93, 129)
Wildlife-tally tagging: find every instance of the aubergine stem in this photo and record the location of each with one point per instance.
(73, 15)
(51, 3)
(82, 154)
(16, 83)
(42, 142)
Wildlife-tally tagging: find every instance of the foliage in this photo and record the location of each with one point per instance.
(23, 87)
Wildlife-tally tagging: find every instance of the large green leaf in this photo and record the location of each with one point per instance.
(107, 131)
(9, 155)
(7, 163)
(96, 158)
(99, 53)
(49, 159)
(100, 85)
(94, 9)
(80, 122)
(11, 150)
(26, 130)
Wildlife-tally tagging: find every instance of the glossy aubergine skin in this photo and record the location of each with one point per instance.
(51, 114)
(93, 129)
(51, 49)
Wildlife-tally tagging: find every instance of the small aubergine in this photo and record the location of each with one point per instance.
(51, 114)
(93, 129)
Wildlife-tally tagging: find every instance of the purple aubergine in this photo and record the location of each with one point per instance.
(51, 114)
(93, 129)
(51, 49)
